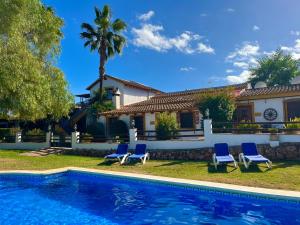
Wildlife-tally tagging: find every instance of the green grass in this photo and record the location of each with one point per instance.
(284, 175)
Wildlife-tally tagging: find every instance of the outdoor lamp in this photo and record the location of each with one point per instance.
(132, 124)
(207, 113)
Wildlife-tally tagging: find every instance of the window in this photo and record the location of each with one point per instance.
(186, 120)
(109, 93)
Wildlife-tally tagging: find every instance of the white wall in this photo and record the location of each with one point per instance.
(149, 121)
(128, 95)
(261, 105)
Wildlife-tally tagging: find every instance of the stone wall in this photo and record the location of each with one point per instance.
(286, 151)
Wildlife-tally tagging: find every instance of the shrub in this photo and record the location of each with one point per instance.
(273, 130)
(95, 129)
(166, 126)
(35, 132)
(293, 125)
(221, 105)
(7, 134)
(247, 128)
(119, 128)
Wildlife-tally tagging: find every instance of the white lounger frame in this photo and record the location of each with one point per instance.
(143, 158)
(242, 159)
(216, 163)
(122, 159)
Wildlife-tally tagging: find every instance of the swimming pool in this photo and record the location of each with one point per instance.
(86, 198)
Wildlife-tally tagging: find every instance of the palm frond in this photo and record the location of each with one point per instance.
(86, 35)
(109, 38)
(87, 43)
(88, 28)
(118, 25)
(98, 12)
(106, 12)
(119, 42)
(110, 52)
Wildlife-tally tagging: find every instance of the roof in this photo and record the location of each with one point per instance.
(83, 95)
(173, 101)
(127, 83)
(267, 92)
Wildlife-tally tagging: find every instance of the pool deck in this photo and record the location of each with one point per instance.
(275, 193)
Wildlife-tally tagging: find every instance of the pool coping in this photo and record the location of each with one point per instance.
(275, 193)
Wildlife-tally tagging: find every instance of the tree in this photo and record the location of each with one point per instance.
(31, 87)
(277, 69)
(221, 104)
(105, 38)
(166, 126)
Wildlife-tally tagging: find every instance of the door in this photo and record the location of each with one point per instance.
(292, 109)
(139, 124)
(244, 113)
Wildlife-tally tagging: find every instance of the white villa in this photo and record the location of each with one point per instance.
(141, 103)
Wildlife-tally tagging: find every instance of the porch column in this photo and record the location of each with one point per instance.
(75, 139)
(132, 137)
(18, 137)
(207, 127)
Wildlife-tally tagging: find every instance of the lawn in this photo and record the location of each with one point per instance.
(284, 175)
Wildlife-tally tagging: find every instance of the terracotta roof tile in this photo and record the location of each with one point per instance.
(174, 101)
(271, 91)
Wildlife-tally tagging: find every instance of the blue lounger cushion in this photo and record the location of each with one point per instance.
(140, 151)
(251, 153)
(222, 153)
(122, 150)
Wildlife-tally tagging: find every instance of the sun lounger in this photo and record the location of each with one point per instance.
(222, 155)
(120, 155)
(140, 153)
(250, 155)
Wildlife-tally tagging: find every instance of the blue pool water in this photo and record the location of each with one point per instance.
(86, 198)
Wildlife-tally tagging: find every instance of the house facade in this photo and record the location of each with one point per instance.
(141, 103)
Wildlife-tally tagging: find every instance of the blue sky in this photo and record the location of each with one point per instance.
(178, 45)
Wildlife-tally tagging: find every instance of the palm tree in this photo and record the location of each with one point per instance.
(105, 38)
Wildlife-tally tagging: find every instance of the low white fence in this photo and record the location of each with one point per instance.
(208, 141)
(18, 144)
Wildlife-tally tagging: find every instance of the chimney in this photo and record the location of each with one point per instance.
(116, 99)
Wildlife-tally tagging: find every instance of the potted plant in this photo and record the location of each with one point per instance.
(246, 127)
(293, 128)
(274, 134)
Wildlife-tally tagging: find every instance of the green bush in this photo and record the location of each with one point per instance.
(166, 126)
(35, 132)
(8, 131)
(119, 128)
(221, 105)
(96, 129)
(293, 125)
(8, 134)
(247, 128)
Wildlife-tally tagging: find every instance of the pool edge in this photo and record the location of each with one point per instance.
(273, 193)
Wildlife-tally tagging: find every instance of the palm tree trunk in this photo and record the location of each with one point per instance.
(102, 69)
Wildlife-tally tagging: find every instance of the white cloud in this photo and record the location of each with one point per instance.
(150, 36)
(187, 69)
(243, 58)
(247, 50)
(242, 65)
(256, 28)
(294, 50)
(295, 32)
(229, 71)
(147, 16)
(203, 48)
(230, 10)
(241, 78)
